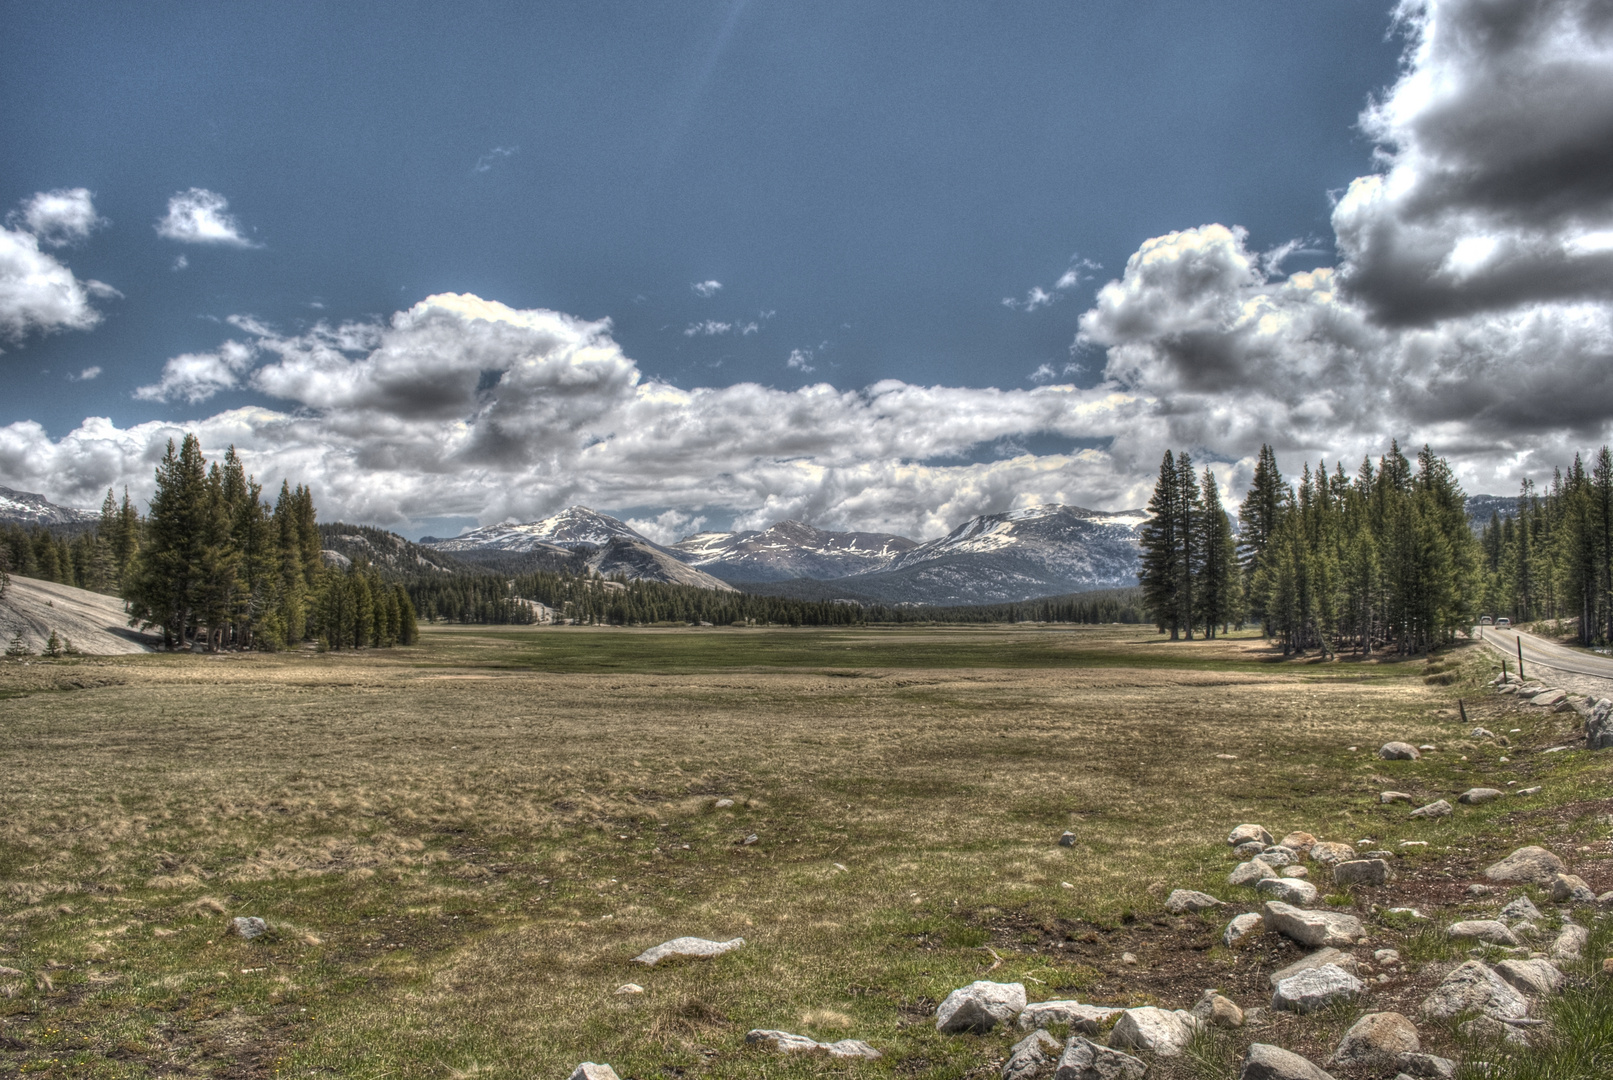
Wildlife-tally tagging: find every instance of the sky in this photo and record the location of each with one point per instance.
(872, 266)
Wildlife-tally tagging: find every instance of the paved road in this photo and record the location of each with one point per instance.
(1545, 653)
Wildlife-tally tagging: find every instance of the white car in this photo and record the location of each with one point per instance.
(1503, 622)
(1487, 621)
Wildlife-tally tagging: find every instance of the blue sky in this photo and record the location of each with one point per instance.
(785, 195)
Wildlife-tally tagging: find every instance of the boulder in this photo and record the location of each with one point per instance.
(1249, 849)
(1295, 872)
(590, 1071)
(1067, 839)
(1477, 796)
(1245, 833)
(1157, 1031)
(1427, 1066)
(1329, 853)
(1376, 1041)
(1571, 889)
(1266, 1062)
(1437, 809)
(1491, 931)
(1599, 726)
(1475, 987)
(1183, 901)
(248, 926)
(691, 947)
(1241, 927)
(1298, 840)
(1085, 1019)
(1288, 890)
(1537, 978)
(1319, 958)
(1250, 872)
(1519, 910)
(1278, 856)
(1549, 698)
(1529, 864)
(1485, 1028)
(980, 1006)
(1393, 797)
(1386, 957)
(1570, 943)
(1398, 751)
(1084, 1059)
(1361, 872)
(785, 1042)
(1313, 928)
(1031, 1055)
(1316, 989)
(1218, 1011)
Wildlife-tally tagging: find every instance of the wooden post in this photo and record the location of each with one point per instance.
(1519, 639)
(1463, 710)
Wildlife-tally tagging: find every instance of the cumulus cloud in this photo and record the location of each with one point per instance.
(706, 288)
(1498, 145)
(37, 291)
(58, 217)
(800, 360)
(199, 216)
(195, 377)
(1038, 297)
(668, 527)
(709, 328)
(91, 372)
(486, 162)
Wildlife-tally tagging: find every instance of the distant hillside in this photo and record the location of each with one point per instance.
(30, 508)
(790, 549)
(1481, 507)
(386, 551)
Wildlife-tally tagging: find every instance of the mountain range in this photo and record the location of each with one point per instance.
(29, 508)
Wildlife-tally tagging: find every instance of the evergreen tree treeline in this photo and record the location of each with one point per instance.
(1384, 560)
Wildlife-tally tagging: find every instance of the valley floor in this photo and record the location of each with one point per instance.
(458, 847)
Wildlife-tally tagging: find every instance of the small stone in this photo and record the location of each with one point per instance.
(1084, 1059)
(1537, 978)
(1536, 790)
(1218, 1011)
(1313, 928)
(1183, 901)
(1492, 931)
(1278, 856)
(1399, 751)
(1409, 913)
(1241, 927)
(1316, 989)
(1387, 797)
(1570, 943)
(1245, 833)
(1030, 1055)
(1298, 840)
(1067, 840)
(630, 988)
(1295, 872)
(1329, 853)
(723, 804)
(1361, 872)
(1571, 889)
(1154, 1030)
(1599, 726)
(1428, 748)
(1082, 1019)
(980, 1006)
(248, 926)
(1128, 958)
(691, 947)
(1529, 864)
(1437, 809)
(787, 1043)
(1607, 965)
(1427, 1066)
(1486, 1028)
(1474, 987)
(1386, 957)
(1525, 929)
(1481, 890)
(1479, 795)
(1482, 733)
(1288, 890)
(589, 1071)
(1249, 849)
(1266, 1062)
(1248, 873)
(1319, 958)
(1520, 909)
(1376, 1041)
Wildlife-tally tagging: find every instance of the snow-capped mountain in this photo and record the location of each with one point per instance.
(790, 549)
(573, 527)
(28, 508)
(1019, 555)
(597, 541)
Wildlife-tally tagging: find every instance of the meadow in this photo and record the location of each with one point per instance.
(458, 847)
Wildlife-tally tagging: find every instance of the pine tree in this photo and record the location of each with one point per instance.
(1258, 517)
(168, 581)
(1220, 590)
(1157, 572)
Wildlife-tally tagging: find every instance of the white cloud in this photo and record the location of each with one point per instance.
(800, 360)
(199, 216)
(180, 263)
(92, 372)
(668, 527)
(486, 162)
(195, 377)
(709, 328)
(706, 288)
(1038, 297)
(39, 293)
(58, 217)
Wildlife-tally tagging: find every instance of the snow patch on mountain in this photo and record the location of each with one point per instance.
(31, 508)
(790, 549)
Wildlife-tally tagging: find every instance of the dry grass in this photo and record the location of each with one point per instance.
(458, 851)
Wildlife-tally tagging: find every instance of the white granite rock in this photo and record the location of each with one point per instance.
(1241, 927)
(1250, 872)
(1183, 901)
(1475, 987)
(691, 947)
(1267, 1062)
(1313, 928)
(1288, 890)
(1086, 1019)
(1537, 978)
(980, 1006)
(1158, 1031)
(1084, 1059)
(1316, 989)
(1530, 864)
(1492, 931)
